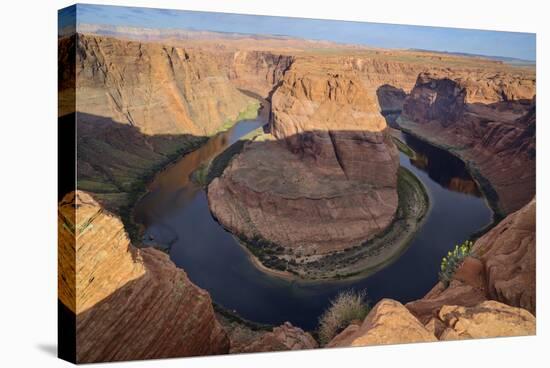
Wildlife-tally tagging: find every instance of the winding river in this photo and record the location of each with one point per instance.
(175, 211)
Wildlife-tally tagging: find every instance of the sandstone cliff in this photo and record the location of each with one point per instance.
(489, 122)
(328, 154)
(129, 303)
(504, 269)
(156, 88)
(258, 71)
(139, 106)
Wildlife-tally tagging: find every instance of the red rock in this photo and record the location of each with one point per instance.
(329, 153)
(494, 134)
(129, 303)
(284, 337)
(509, 255)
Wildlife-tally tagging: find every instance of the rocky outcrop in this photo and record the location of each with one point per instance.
(488, 319)
(504, 269)
(129, 303)
(283, 337)
(508, 254)
(390, 98)
(467, 288)
(328, 154)
(443, 100)
(488, 121)
(389, 322)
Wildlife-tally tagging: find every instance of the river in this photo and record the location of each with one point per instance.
(175, 211)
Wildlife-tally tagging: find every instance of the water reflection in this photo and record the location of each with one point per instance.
(172, 189)
(442, 167)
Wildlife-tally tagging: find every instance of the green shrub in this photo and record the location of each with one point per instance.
(453, 260)
(345, 308)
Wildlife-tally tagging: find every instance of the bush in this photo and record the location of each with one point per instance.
(345, 308)
(453, 260)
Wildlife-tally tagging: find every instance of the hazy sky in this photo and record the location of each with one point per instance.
(493, 43)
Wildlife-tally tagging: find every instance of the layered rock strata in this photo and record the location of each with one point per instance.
(158, 89)
(258, 71)
(490, 124)
(504, 269)
(129, 303)
(139, 105)
(325, 178)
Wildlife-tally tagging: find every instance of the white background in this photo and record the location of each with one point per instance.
(28, 205)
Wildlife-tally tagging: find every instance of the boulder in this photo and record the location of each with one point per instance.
(488, 319)
(389, 322)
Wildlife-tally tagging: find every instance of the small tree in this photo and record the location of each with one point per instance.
(453, 260)
(345, 308)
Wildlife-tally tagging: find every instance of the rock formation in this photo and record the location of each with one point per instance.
(129, 303)
(488, 319)
(504, 270)
(156, 88)
(508, 255)
(140, 105)
(258, 71)
(390, 322)
(328, 155)
(488, 121)
(284, 337)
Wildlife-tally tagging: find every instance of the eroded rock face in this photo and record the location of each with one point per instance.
(258, 71)
(508, 253)
(390, 98)
(504, 269)
(284, 337)
(129, 303)
(429, 100)
(389, 322)
(156, 88)
(324, 179)
(488, 121)
(139, 105)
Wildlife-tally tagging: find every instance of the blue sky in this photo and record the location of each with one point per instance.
(493, 43)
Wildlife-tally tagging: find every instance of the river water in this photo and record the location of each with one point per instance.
(175, 211)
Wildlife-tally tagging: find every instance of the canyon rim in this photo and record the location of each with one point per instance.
(232, 186)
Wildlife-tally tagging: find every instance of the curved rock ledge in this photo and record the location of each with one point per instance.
(324, 180)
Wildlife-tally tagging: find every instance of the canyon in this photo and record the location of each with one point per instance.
(320, 192)
(489, 123)
(491, 294)
(305, 169)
